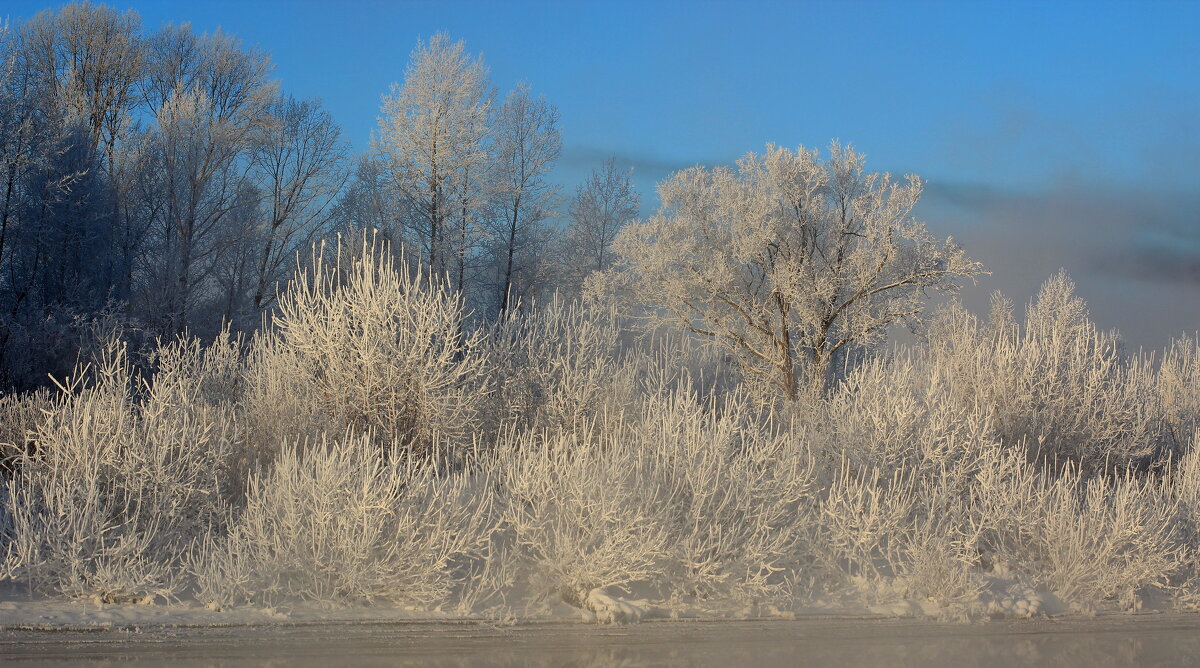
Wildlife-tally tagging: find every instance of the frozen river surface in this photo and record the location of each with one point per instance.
(1147, 640)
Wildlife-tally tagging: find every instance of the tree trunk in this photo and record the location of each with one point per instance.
(182, 288)
(8, 192)
(260, 289)
(787, 361)
(508, 267)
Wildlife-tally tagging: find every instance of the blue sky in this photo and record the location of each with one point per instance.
(1052, 134)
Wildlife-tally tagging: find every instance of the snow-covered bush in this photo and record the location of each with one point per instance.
(20, 415)
(557, 365)
(899, 412)
(1058, 386)
(743, 496)
(342, 522)
(688, 498)
(585, 509)
(939, 554)
(118, 486)
(1177, 390)
(865, 518)
(361, 343)
(1087, 539)
(370, 446)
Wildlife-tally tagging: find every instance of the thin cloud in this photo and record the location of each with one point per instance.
(1133, 252)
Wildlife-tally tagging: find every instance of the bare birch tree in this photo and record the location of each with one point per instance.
(602, 206)
(370, 203)
(299, 158)
(205, 121)
(90, 58)
(527, 144)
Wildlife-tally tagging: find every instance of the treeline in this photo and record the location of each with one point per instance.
(156, 182)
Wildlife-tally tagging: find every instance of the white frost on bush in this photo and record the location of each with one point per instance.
(373, 446)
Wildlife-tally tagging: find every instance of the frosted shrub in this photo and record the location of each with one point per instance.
(667, 359)
(1177, 388)
(1058, 387)
(20, 416)
(585, 510)
(118, 488)
(939, 555)
(900, 412)
(368, 446)
(743, 496)
(688, 497)
(366, 345)
(185, 371)
(341, 522)
(1183, 484)
(1086, 539)
(863, 519)
(279, 401)
(556, 365)
(1107, 539)
(209, 380)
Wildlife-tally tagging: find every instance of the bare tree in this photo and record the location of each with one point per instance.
(432, 133)
(601, 208)
(527, 144)
(370, 203)
(87, 62)
(53, 216)
(788, 259)
(90, 60)
(53, 225)
(204, 126)
(299, 158)
(19, 138)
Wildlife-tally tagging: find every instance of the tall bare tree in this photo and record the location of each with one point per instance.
(602, 206)
(205, 123)
(90, 60)
(527, 144)
(299, 159)
(19, 132)
(370, 203)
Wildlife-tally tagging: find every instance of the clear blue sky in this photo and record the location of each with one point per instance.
(1052, 134)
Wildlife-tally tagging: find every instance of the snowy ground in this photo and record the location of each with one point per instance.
(20, 610)
(1117, 640)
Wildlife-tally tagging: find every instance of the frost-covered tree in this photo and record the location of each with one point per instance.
(369, 202)
(299, 159)
(527, 145)
(87, 62)
(432, 132)
(601, 207)
(16, 128)
(209, 96)
(788, 259)
(73, 74)
(89, 59)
